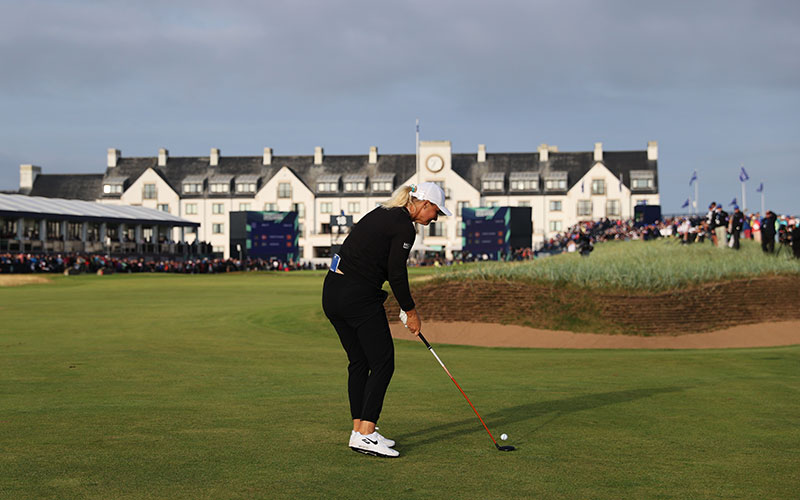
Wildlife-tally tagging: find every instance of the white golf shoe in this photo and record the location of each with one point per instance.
(371, 445)
(381, 439)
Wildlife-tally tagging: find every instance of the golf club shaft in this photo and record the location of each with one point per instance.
(422, 337)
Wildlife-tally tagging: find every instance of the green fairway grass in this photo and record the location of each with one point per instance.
(234, 386)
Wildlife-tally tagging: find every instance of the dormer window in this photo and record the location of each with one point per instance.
(382, 183)
(112, 188)
(524, 181)
(328, 183)
(114, 185)
(556, 181)
(493, 181)
(193, 184)
(642, 179)
(355, 183)
(220, 184)
(246, 184)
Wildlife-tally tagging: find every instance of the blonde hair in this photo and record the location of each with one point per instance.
(400, 197)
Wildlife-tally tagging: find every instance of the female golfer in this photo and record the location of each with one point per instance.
(375, 251)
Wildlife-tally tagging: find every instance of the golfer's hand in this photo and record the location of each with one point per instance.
(414, 323)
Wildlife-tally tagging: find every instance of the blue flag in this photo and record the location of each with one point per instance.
(760, 188)
(733, 202)
(685, 203)
(694, 178)
(743, 175)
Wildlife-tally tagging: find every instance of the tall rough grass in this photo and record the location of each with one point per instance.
(658, 265)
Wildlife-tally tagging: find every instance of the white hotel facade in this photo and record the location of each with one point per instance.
(562, 188)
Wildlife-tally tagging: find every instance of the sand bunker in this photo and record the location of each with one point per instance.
(492, 335)
(21, 279)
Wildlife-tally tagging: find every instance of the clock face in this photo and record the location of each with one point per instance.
(434, 163)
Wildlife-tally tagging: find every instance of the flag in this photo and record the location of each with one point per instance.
(743, 175)
(760, 188)
(694, 178)
(685, 203)
(733, 202)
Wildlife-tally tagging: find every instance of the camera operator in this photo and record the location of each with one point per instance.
(735, 226)
(768, 232)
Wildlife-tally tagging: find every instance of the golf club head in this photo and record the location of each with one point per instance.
(505, 448)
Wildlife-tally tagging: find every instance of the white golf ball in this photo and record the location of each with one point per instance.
(503, 436)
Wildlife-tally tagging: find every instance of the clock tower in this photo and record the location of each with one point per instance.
(435, 160)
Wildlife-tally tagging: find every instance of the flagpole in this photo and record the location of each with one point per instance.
(696, 196)
(762, 200)
(744, 199)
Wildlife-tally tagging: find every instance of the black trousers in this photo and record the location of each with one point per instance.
(767, 242)
(355, 309)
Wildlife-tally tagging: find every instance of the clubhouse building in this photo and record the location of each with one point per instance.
(562, 188)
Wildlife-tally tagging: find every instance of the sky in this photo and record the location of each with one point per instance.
(715, 83)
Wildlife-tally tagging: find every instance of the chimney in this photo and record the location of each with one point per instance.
(481, 153)
(598, 151)
(163, 154)
(113, 157)
(214, 159)
(267, 156)
(27, 176)
(373, 155)
(543, 153)
(318, 155)
(652, 150)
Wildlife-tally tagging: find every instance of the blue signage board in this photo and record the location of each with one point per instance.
(486, 231)
(272, 234)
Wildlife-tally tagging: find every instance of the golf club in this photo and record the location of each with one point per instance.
(404, 319)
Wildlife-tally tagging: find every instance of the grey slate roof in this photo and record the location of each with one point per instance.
(398, 167)
(87, 187)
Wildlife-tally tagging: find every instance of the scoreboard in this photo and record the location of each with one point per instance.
(264, 235)
(495, 231)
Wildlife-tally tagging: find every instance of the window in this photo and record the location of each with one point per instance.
(327, 187)
(191, 209)
(300, 229)
(461, 205)
(220, 187)
(300, 208)
(218, 249)
(218, 228)
(460, 230)
(556, 184)
(642, 183)
(246, 187)
(555, 206)
(584, 207)
(164, 207)
(244, 207)
(524, 204)
(641, 202)
(382, 186)
(149, 192)
(555, 225)
(493, 204)
(112, 188)
(354, 187)
(492, 185)
(353, 207)
(284, 190)
(192, 187)
(524, 185)
(270, 207)
(435, 229)
(217, 208)
(326, 208)
(598, 186)
(612, 208)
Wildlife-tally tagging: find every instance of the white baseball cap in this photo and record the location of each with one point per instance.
(428, 191)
